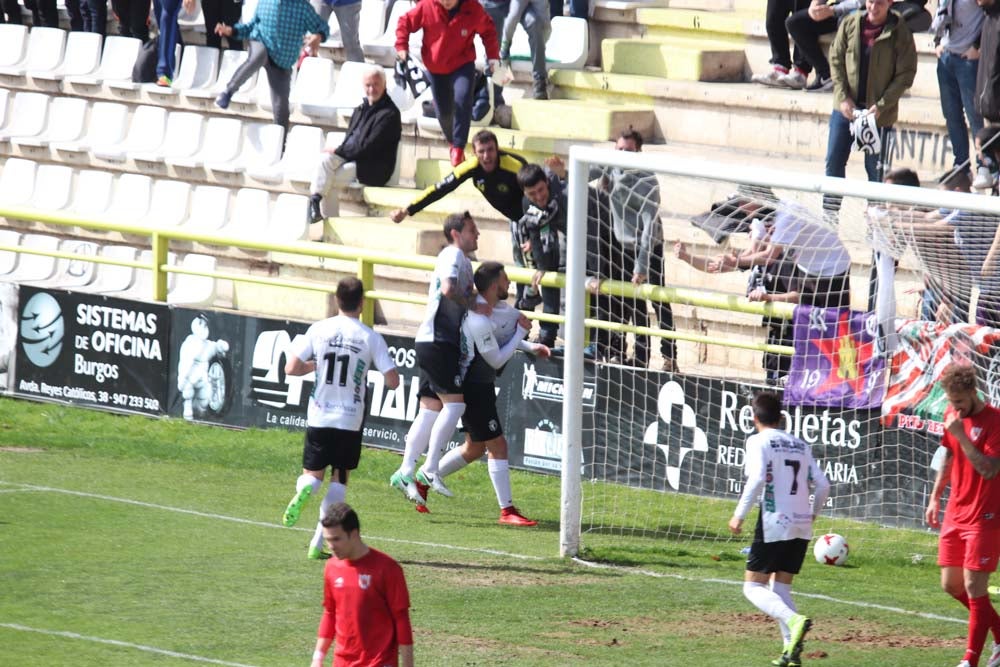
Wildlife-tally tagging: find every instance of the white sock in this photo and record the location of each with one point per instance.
(500, 476)
(304, 480)
(784, 591)
(767, 601)
(416, 440)
(451, 462)
(444, 427)
(335, 494)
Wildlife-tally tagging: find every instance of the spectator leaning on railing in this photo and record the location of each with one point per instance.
(275, 34)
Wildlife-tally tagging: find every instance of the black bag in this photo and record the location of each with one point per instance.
(144, 70)
(917, 18)
(481, 96)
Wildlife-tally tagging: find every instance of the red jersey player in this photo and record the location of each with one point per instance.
(969, 545)
(365, 601)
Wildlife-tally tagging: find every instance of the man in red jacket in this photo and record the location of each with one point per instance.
(450, 59)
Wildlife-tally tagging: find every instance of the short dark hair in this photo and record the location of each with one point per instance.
(487, 274)
(530, 175)
(630, 133)
(767, 408)
(959, 378)
(350, 293)
(957, 179)
(903, 176)
(455, 223)
(343, 515)
(485, 137)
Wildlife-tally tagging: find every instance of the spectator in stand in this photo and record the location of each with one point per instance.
(133, 18)
(780, 74)
(73, 8)
(450, 59)
(167, 12)
(987, 95)
(93, 15)
(877, 46)
(275, 34)
(349, 19)
(533, 15)
(10, 12)
(371, 144)
(221, 11)
(805, 27)
(957, 27)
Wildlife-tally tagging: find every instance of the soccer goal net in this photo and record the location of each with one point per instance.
(701, 284)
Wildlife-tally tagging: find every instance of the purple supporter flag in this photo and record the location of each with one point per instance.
(836, 364)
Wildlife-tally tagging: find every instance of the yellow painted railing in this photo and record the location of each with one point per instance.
(366, 261)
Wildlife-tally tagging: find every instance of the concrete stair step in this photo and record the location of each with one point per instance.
(582, 120)
(408, 237)
(674, 58)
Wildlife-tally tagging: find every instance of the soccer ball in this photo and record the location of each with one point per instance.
(831, 549)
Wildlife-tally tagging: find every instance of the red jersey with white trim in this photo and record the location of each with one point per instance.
(366, 609)
(974, 502)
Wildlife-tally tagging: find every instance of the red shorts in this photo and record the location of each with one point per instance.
(969, 548)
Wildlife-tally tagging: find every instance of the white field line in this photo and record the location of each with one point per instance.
(115, 642)
(494, 552)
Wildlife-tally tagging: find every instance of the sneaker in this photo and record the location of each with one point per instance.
(222, 100)
(528, 301)
(984, 179)
(164, 81)
(964, 663)
(435, 483)
(318, 554)
(540, 90)
(771, 78)
(785, 660)
(799, 626)
(315, 210)
(422, 509)
(457, 156)
(294, 508)
(795, 79)
(994, 660)
(406, 485)
(820, 85)
(509, 516)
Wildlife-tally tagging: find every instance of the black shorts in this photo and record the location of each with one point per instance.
(439, 371)
(821, 292)
(480, 418)
(332, 447)
(768, 557)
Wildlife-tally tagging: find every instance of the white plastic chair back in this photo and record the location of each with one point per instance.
(45, 49)
(146, 131)
(289, 219)
(83, 54)
(168, 204)
(8, 258)
(4, 103)
(106, 126)
(12, 42)
(17, 181)
(209, 209)
(350, 89)
(28, 115)
(566, 47)
(92, 193)
(303, 145)
(54, 187)
(314, 81)
(222, 139)
(383, 47)
(371, 23)
(250, 213)
(79, 271)
(199, 67)
(183, 134)
(261, 145)
(113, 278)
(130, 201)
(67, 119)
(33, 268)
(118, 58)
(191, 289)
(231, 61)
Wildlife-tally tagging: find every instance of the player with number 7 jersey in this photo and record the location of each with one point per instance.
(340, 350)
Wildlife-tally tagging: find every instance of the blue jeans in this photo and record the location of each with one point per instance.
(957, 82)
(453, 101)
(838, 150)
(169, 33)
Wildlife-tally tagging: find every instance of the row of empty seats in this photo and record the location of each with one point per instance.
(156, 204)
(81, 274)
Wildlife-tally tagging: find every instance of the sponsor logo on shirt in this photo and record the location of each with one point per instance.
(338, 582)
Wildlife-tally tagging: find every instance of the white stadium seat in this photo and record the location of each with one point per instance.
(401, 96)
(145, 134)
(299, 162)
(182, 137)
(249, 7)
(209, 209)
(92, 194)
(111, 278)
(371, 23)
(231, 61)
(105, 129)
(82, 58)
(8, 258)
(313, 86)
(54, 187)
(117, 61)
(168, 204)
(34, 268)
(79, 271)
(250, 214)
(27, 117)
(13, 39)
(566, 47)
(289, 219)
(261, 94)
(130, 201)
(222, 144)
(198, 68)
(44, 53)
(382, 49)
(194, 290)
(349, 90)
(142, 288)
(261, 149)
(67, 120)
(17, 181)
(5, 98)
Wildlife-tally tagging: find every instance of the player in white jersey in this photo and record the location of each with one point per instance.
(489, 343)
(781, 472)
(340, 350)
(450, 296)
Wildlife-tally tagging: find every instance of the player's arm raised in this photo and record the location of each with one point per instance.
(987, 466)
(931, 514)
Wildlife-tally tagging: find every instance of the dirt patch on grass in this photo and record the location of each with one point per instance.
(21, 450)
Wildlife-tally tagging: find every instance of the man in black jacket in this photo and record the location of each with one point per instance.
(368, 152)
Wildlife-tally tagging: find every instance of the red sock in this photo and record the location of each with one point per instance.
(963, 598)
(982, 616)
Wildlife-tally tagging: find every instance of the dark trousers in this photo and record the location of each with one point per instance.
(12, 11)
(170, 32)
(453, 101)
(838, 150)
(806, 33)
(133, 18)
(73, 8)
(221, 11)
(774, 22)
(95, 16)
(280, 80)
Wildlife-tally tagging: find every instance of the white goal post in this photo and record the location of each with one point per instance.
(808, 189)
